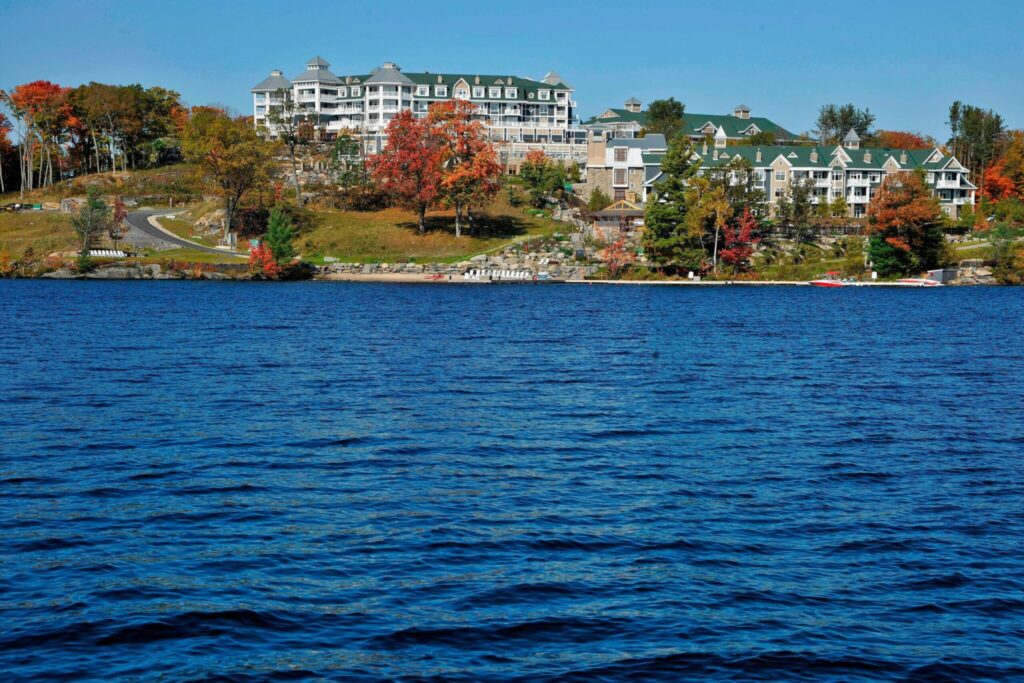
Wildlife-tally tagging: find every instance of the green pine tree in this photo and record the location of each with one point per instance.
(279, 236)
(665, 234)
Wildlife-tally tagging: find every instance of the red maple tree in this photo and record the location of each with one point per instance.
(996, 185)
(739, 241)
(470, 168)
(410, 166)
(901, 139)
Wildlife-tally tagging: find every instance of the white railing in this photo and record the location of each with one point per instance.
(948, 184)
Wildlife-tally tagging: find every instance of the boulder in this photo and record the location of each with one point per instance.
(117, 273)
(62, 274)
(213, 275)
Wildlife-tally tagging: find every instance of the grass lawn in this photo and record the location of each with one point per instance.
(391, 235)
(46, 232)
(183, 229)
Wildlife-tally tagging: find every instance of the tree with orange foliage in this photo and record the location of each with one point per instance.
(904, 226)
(42, 109)
(409, 167)
(262, 264)
(901, 139)
(470, 168)
(616, 257)
(996, 184)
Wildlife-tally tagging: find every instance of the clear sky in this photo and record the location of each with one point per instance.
(906, 61)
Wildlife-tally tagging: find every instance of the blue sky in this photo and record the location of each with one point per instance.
(906, 61)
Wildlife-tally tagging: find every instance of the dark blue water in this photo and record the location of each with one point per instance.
(360, 482)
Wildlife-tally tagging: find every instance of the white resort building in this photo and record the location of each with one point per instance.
(520, 113)
(846, 171)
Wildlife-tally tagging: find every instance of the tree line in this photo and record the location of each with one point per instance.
(61, 132)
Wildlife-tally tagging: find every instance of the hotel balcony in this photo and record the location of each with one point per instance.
(857, 182)
(948, 184)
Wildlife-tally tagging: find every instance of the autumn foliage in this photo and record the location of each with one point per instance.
(444, 157)
(996, 184)
(410, 166)
(899, 139)
(739, 241)
(262, 264)
(904, 225)
(617, 256)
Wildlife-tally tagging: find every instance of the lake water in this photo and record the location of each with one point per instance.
(363, 482)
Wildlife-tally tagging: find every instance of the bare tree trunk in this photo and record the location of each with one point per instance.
(295, 175)
(2, 188)
(714, 256)
(423, 217)
(458, 219)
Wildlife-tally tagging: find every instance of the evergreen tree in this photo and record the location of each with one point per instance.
(665, 232)
(279, 236)
(92, 220)
(665, 117)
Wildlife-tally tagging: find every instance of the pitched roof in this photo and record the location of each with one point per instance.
(852, 136)
(275, 81)
(734, 126)
(388, 73)
(317, 74)
(318, 62)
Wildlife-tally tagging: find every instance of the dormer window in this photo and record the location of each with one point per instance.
(422, 91)
(478, 93)
(342, 92)
(511, 93)
(544, 94)
(462, 93)
(494, 93)
(440, 91)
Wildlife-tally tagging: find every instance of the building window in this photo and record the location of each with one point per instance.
(355, 91)
(478, 93)
(342, 92)
(511, 93)
(620, 154)
(462, 93)
(441, 91)
(422, 91)
(494, 92)
(260, 109)
(837, 175)
(873, 178)
(620, 176)
(931, 178)
(780, 175)
(544, 94)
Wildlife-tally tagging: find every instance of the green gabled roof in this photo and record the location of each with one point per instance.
(733, 125)
(486, 81)
(863, 159)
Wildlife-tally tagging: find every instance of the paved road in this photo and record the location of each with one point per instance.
(144, 234)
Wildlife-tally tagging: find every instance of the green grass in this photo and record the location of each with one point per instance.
(391, 235)
(177, 180)
(45, 232)
(183, 229)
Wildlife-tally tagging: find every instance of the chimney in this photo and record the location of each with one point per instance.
(903, 158)
(758, 157)
(814, 156)
(510, 80)
(439, 79)
(596, 146)
(715, 154)
(867, 157)
(476, 80)
(704, 150)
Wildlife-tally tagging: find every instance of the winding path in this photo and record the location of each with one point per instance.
(144, 234)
